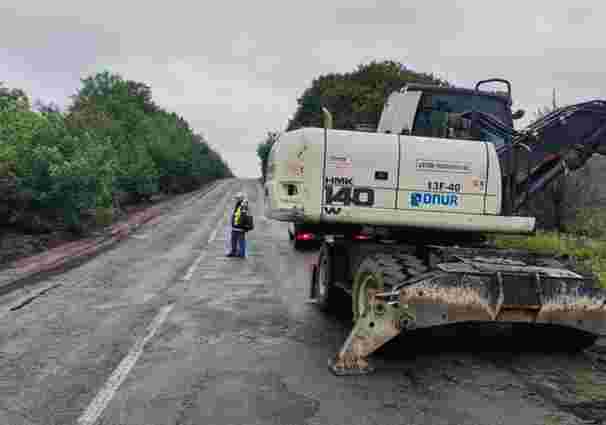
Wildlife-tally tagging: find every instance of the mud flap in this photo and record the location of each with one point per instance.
(383, 322)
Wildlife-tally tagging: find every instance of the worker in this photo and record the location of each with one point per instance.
(238, 229)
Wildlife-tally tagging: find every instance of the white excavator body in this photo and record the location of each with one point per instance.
(335, 176)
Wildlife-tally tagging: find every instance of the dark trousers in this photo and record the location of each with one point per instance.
(238, 243)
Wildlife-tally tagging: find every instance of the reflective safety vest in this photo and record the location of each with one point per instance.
(238, 216)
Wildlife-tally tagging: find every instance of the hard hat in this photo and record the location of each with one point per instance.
(239, 196)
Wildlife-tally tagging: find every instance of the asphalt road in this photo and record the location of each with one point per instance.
(164, 329)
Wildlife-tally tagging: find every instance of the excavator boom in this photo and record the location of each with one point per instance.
(559, 142)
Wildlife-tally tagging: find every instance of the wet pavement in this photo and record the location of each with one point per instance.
(164, 329)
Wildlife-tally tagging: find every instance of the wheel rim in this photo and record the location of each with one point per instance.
(368, 282)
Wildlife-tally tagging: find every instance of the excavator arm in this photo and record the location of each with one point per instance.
(553, 145)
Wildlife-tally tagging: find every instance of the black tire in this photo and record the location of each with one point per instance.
(325, 292)
(382, 271)
(313, 282)
(298, 245)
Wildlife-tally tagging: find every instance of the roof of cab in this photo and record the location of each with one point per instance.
(444, 89)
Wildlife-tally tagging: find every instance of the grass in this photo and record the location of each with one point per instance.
(588, 253)
(587, 388)
(553, 420)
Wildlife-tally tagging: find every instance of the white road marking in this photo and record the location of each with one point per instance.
(104, 396)
(100, 402)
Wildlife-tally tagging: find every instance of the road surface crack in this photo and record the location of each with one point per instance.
(29, 299)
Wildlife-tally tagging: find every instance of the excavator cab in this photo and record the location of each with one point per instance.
(442, 115)
(447, 112)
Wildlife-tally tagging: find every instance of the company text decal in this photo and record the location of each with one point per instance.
(443, 166)
(348, 195)
(428, 199)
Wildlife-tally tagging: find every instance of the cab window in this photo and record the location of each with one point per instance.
(433, 117)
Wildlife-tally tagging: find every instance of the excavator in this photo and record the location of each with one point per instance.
(405, 213)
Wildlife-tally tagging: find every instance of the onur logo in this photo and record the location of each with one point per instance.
(421, 199)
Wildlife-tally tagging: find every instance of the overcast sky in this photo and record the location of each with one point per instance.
(234, 69)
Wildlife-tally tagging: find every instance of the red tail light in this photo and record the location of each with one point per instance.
(361, 237)
(305, 236)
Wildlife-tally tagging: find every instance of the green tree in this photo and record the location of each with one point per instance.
(355, 97)
(13, 99)
(264, 149)
(18, 127)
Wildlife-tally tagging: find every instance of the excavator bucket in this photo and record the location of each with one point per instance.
(481, 286)
(484, 290)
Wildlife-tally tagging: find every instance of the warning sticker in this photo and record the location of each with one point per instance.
(340, 165)
(339, 161)
(474, 184)
(295, 168)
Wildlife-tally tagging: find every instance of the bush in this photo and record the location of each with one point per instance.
(8, 160)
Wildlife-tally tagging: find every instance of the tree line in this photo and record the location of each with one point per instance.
(112, 143)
